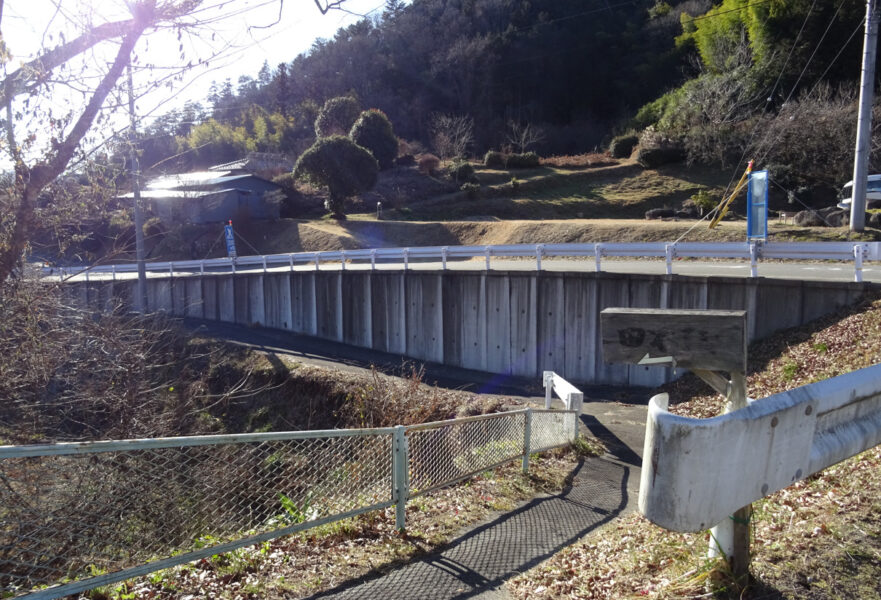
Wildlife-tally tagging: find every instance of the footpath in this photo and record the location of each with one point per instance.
(477, 563)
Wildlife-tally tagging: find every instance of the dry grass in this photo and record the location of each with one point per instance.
(818, 539)
(319, 559)
(580, 161)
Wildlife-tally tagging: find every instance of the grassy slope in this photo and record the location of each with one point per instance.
(818, 539)
(547, 205)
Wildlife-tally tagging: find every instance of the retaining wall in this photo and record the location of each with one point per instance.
(507, 323)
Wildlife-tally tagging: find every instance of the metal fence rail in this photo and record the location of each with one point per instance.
(95, 513)
(854, 252)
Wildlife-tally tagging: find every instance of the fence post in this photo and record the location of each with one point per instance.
(668, 254)
(444, 251)
(598, 256)
(373, 259)
(343, 260)
(400, 470)
(406, 258)
(575, 401)
(486, 252)
(527, 437)
(539, 250)
(549, 387)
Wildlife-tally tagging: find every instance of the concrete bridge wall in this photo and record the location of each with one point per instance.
(500, 322)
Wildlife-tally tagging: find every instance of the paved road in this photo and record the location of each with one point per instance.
(809, 271)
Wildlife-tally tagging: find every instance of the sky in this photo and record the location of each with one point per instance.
(245, 33)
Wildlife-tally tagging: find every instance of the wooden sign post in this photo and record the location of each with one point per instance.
(711, 344)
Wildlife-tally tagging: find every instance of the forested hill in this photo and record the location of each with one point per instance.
(774, 79)
(576, 66)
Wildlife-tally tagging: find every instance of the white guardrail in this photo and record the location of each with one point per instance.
(697, 472)
(855, 252)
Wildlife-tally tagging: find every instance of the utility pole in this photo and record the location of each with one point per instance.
(864, 123)
(141, 299)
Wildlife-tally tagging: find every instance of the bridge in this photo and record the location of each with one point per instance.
(505, 320)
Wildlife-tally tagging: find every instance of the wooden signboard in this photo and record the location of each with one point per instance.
(713, 340)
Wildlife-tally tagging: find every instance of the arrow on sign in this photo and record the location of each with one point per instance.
(658, 360)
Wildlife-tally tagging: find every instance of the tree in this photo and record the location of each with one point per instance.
(24, 92)
(337, 116)
(373, 131)
(340, 165)
(523, 135)
(451, 134)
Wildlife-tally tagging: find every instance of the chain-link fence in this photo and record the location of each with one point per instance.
(95, 513)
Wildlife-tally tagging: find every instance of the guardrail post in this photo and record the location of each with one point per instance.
(731, 537)
(753, 260)
(527, 436)
(373, 259)
(548, 377)
(232, 265)
(486, 252)
(201, 267)
(317, 262)
(406, 258)
(444, 251)
(114, 272)
(598, 255)
(669, 250)
(87, 276)
(858, 262)
(171, 269)
(343, 260)
(400, 474)
(539, 250)
(264, 263)
(291, 260)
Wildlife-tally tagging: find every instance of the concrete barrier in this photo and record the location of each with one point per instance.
(509, 323)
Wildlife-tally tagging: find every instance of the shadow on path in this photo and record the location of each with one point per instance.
(482, 559)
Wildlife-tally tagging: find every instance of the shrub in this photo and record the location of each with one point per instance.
(656, 149)
(529, 160)
(622, 145)
(373, 131)
(405, 160)
(340, 165)
(494, 160)
(462, 171)
(703, 201)
(472, 190)
(428, 163)
(337, 116)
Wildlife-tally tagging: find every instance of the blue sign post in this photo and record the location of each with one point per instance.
(757, 206)
(230, 240)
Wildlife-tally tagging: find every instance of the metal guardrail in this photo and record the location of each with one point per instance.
(121, 509)
(696, 472)
(856, 252)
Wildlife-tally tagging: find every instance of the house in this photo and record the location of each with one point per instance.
(211, 196)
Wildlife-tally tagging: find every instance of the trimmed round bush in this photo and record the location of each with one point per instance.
(494, 160)
(428, 164)
(337, 116)
(373, 131)
(340, 165)
(462, 171)
(622, 146)
(529, 160)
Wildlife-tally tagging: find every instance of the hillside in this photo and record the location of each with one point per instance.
(546, 205)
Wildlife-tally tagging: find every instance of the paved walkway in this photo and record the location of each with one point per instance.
(478, 562)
